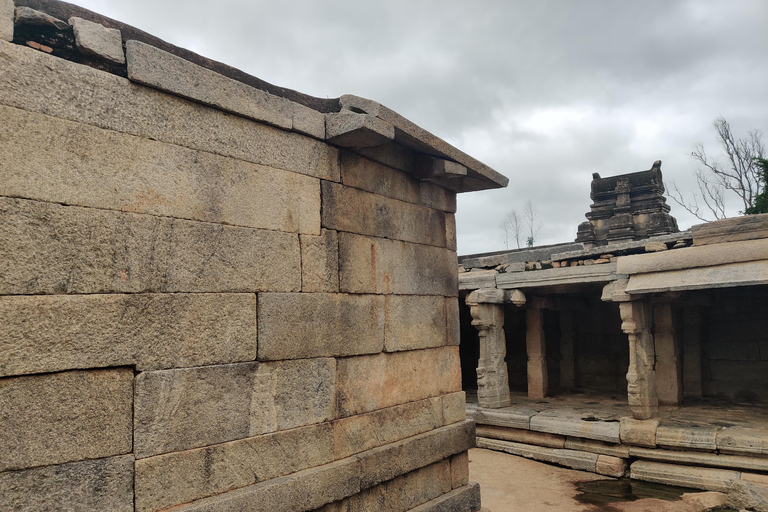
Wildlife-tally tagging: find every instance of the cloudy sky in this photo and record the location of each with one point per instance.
(545, 92)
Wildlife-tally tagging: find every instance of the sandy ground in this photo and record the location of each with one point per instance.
(514, 484)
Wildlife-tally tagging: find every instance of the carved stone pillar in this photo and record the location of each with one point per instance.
(492, 377)
(536, 346)
(641, 377)
(566, 350)
(669, 377)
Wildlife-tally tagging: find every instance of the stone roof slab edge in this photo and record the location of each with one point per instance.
(278, 106)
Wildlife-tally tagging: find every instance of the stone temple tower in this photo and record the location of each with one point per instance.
(625, 208)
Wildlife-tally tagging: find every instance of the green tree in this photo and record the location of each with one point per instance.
(761, 200)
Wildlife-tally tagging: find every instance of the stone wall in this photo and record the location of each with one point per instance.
(206, 311)
(734, 344)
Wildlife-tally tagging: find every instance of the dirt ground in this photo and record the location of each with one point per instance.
(514, 484)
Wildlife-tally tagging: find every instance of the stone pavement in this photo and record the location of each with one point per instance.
(512, 484)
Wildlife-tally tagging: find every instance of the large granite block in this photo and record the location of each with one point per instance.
(742, 440)
(156, 68)
(686, 436)
(693, 458)
(306, 490)
(521, 436)
(454, 407)
(300, 325)
(64, 417)
(582, 461)
(6, 20)
(365, 431)
(463, 499)
(638, 432)
(404, 492)
(166, 480)
(414, 322)
(356, 211)
(151, 331)
(368, 383)
(378, 265)
(193, 407)
(51, 159)
(365, 174)
(453, 325)
(395, 459)
(459, 470)
(39, 82)
(85, 486)
(320, 262)
(684, 476)
(573, 425)
(86, 250)
(97, 40)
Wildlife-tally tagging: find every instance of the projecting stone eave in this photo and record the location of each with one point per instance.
(350, 121)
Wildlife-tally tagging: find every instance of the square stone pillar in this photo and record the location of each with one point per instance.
(536, 346)
(567, 372)
(641, 377)
(669, 375)
(492, 377)
(692, 351)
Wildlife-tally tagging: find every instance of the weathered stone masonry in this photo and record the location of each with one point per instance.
(215, 298)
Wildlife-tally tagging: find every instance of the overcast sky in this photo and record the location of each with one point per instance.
(545, 92)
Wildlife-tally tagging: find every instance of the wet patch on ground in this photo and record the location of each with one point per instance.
(604, 492)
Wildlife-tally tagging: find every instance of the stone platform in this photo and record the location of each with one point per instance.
(709, 445)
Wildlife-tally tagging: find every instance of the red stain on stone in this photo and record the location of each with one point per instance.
(123, 275)
(41, 47)
(373, 268)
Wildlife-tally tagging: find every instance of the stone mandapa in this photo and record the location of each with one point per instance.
(362, 432)
(356, 211)
(86, 486)
(39, 82)
(166, 480)
(64, 417)
(368, 383)
(51, 159)
(192, 407)
(379, 265)
(98, 40)
(85, 250)
(150, 331)
(300, 325)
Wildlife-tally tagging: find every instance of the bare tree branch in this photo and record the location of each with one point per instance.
(740, 175)
(532, 224)
(511, 228)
